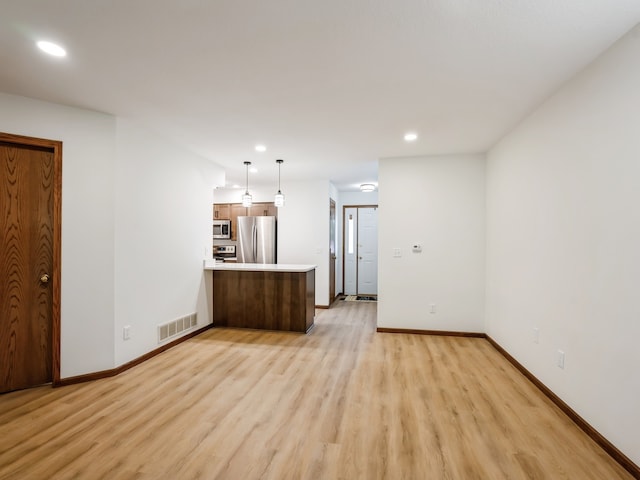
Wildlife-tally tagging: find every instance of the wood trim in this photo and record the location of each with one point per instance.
(56, 147)
(57, 258)
(373, 205)
(331, 302)
(323, 306)
(596, 436)
(126, 366)
(431, 332)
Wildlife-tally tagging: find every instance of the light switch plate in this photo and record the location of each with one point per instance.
(560, 359)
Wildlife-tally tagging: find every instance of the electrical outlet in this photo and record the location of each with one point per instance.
(126, 332)
(536, 335)
(560, 359)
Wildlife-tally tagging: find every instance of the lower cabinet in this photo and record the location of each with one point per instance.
(264, 299)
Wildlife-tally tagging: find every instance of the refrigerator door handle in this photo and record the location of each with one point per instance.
(255, 242)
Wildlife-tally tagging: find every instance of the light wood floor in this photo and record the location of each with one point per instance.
(343, 402)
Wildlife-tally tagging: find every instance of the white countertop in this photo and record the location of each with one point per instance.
(210, 264)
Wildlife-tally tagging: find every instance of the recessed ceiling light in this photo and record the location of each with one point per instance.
(253, 170)
(367, 187)
(410, 137)
(261, 148)
(52, 49)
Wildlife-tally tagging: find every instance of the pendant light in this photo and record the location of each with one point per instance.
(246, 198)
(279, 198)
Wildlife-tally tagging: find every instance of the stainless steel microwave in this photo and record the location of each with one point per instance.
(222, 229)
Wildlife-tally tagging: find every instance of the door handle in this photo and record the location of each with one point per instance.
(255, 244)
(44, 278)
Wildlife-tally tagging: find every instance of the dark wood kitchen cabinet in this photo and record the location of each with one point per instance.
(231, 211)
(263, 210)
(237, 210)
(221, 211)
(271, 297)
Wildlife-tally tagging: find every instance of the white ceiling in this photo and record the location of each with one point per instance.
(330, 86)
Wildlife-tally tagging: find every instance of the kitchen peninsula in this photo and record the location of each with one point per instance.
(263, 296)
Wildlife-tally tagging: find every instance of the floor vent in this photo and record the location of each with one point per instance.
(171, 329)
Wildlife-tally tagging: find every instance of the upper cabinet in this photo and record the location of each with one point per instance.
(231, 211)
(263, 210)
(237, 210)
(221, 211)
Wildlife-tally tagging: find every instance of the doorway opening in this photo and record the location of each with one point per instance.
(360, 250)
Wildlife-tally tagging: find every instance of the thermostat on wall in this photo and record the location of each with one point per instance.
(417, 248)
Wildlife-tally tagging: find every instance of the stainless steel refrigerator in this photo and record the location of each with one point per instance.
(256, 240)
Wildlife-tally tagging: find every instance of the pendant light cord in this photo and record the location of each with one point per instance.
(247, 177)
(279, 162)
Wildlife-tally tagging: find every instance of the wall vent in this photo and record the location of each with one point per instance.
(168, 330)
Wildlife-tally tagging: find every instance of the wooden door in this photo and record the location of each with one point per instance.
(30, 184)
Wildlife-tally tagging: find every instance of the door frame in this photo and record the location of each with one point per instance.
(344, 230)
(56, 147)
(332, 255)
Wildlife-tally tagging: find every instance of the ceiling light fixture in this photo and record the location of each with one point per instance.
(410, 137)
(246, 198)
(261, 148)
(279, 198)
(367, 187)
(52, 49)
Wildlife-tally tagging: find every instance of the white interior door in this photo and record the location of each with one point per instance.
(367, 251)
(350, 251)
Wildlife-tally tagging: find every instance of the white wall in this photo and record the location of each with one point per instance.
(234, 195)
(303, 230)
(163, 232)
(87, 224)
(438, 202)
(563, 236)
(358, 198)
